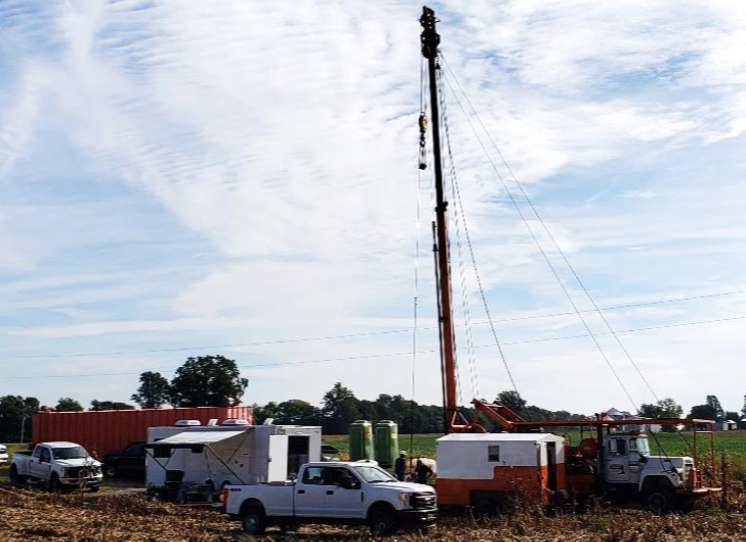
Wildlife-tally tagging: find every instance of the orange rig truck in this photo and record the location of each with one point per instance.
(490, 471)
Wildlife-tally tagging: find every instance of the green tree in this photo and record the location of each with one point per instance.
(109, 405)
(339, 410)
(665, 408)
(513, 400)
(261, 413)
(207, 381)
(714, 402)
(703, 412)
(153, 391)
(66, 404)
(297, 412)
(16, 417)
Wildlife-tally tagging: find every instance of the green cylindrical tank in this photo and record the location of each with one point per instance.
(361, 440)
(387, 442)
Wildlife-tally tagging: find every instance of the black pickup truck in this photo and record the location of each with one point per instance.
(127, 462)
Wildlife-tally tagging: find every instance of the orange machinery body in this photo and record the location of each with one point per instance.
(524, 466)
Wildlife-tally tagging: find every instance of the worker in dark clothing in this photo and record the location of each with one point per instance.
(400, 466)
(422, 472)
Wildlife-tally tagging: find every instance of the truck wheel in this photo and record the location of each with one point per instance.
(110, 471)
(685, 505)
(382, 523)
(658, 500)
(15, 478)
(253, 520)
(54, 484)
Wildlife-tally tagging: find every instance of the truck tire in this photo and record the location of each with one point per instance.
(382, 522)
(658, 500)
(110, 471)
(253, 520)
(54, 484)
(15, 478)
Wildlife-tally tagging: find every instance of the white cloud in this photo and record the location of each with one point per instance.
(284, 136)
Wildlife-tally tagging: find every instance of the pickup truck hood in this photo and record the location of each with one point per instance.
(77, 463)
(408, 487)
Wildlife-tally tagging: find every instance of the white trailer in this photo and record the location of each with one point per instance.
(203, 459)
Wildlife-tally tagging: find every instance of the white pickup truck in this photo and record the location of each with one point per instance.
(58, 465)
(352, 493)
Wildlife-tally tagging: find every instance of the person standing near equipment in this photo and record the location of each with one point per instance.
(422, 472)
(400, 466)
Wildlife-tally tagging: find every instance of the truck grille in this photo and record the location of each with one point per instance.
(422, 501)
(81, 472)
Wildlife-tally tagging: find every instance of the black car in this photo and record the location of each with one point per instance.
(127, 462)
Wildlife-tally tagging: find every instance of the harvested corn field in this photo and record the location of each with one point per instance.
(35, 515)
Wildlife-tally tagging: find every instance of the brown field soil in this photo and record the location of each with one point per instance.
(37, 515)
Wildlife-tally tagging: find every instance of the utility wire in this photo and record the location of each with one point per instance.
(398, 354)
(364, 334)
(458, 220)
(557, 247)
(548, 261)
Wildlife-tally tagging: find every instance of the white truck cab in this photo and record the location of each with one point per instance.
(351, 493)
(630, 469)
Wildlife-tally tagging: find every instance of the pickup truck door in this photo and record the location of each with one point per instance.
(310, 493)
(344, 496)
(40, 465)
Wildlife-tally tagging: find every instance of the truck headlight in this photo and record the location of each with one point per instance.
(63, 472)
(404, 500)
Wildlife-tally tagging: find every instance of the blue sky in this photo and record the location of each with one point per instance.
(178, 178)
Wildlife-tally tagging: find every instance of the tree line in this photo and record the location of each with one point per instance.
(216, 381)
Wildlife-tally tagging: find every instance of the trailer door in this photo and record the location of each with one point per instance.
(552, 465)
(277, 468)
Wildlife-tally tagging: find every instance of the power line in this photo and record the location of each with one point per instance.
(397, 354)
(364, 334)
(544, 255)
(557, 247)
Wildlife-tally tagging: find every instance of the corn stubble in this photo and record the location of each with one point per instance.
(36, 515)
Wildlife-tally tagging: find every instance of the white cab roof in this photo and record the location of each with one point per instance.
(501, 437)
(60, 444)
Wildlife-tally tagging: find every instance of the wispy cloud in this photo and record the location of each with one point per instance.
(280, 142)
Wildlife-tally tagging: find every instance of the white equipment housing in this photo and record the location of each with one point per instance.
(229, 454)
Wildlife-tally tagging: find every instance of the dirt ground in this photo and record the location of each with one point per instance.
(114, 516)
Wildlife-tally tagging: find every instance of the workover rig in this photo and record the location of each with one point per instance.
(524, 461)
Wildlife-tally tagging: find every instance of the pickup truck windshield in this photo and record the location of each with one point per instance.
(69, 453)
(373, 474)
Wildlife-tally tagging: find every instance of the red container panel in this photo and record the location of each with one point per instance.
(110, 430)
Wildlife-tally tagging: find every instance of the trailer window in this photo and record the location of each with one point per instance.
(493, 453)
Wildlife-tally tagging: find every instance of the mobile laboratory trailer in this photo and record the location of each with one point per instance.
(182, 458)
(477, 468)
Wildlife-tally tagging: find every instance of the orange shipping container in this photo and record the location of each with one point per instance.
(105, 431)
